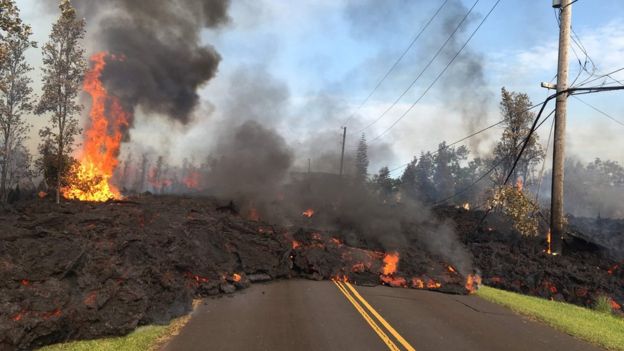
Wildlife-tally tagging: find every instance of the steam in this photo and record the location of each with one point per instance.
(164, 62)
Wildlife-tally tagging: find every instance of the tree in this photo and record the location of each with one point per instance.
(15, 98)
(63, 72)
(361, 161)
(514, 108)
(10, 24)
(384, 183)
(447, 169)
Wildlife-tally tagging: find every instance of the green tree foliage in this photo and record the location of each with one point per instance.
(518, 120)
(361, 161)
(63, 72)
(15, 99)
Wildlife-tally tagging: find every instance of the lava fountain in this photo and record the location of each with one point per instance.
(91, 178)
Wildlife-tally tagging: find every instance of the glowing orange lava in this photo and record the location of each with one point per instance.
(390, 260)
(472, 282)
(102, 139)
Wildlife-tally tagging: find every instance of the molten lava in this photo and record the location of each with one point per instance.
(473, 281)
(390, 260)
(102, 138)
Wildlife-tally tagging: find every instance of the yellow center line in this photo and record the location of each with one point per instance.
(383, 336)
(381, 319)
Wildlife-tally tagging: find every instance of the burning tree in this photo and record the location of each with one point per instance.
(15, 97)
(64, 67)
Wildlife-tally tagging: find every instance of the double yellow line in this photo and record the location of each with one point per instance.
(351, 294)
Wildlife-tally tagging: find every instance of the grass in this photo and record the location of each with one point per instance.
(151, 338)
(601, 328)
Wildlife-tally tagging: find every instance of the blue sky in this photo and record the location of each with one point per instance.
(325, 56)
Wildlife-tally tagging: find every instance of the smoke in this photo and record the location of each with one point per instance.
(164, 61)
(465, 85)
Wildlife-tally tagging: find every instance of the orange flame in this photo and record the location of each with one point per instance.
(473, 281)
(236, 277)
(295, 244)
(614, 305)
(390, 260)
(394, 282)
(102, 139)
(451, 269)
(418, 283)
(548, 241)
(308, 213)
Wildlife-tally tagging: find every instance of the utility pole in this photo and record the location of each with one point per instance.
(344, 137)
(556, 210)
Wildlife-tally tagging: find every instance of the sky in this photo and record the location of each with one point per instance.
(310, 64)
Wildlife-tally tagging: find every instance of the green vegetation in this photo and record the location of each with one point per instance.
(600, 328)
(150, 337)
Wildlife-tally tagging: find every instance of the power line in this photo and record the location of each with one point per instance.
(396, 63)
(470, 135)
(440, 74)
(599, 111)
(423, 70)
(489, 171)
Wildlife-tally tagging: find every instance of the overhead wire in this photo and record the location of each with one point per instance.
(435, 56)
(397, 61)
(440, 74)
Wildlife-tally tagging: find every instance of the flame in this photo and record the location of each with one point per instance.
(25, 282)
(236, 277)
(394, 281)
(418, 283)
(308, 213)
(17, 317)
(192, 180)
(432, 284)
(295, 244)
(548, 241)
(473, 281)
(42, 194)
(451, 269)
(466, 206)
(614, 305)
(102, 139)
(390, 260)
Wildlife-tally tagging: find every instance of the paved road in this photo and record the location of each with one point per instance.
(309, 315)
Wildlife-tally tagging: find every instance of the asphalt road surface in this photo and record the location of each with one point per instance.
(309, 315)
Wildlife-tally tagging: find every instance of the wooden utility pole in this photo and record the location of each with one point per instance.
(344, 137)
(556, 210)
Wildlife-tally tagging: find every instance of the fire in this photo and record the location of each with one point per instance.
(394, 281)
(473, 281)
(390, 260)
(308, 213)
(451, 269)
(614, 305)
(192, 180)
(236, 277)
(466, 206)
(42, 194)
(25, 282)
(548, 241)
(432, 284)
(295, 244)
(102, 139)
(418, 283)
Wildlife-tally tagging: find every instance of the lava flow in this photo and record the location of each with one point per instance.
(107, 122)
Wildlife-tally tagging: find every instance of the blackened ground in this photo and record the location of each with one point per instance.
(81, 270)
(512, 262)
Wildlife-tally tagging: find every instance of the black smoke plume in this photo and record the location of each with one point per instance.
(164, 60)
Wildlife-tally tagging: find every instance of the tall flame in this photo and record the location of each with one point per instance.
(102, 139)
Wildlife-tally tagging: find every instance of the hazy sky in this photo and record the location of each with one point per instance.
(321, 59)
